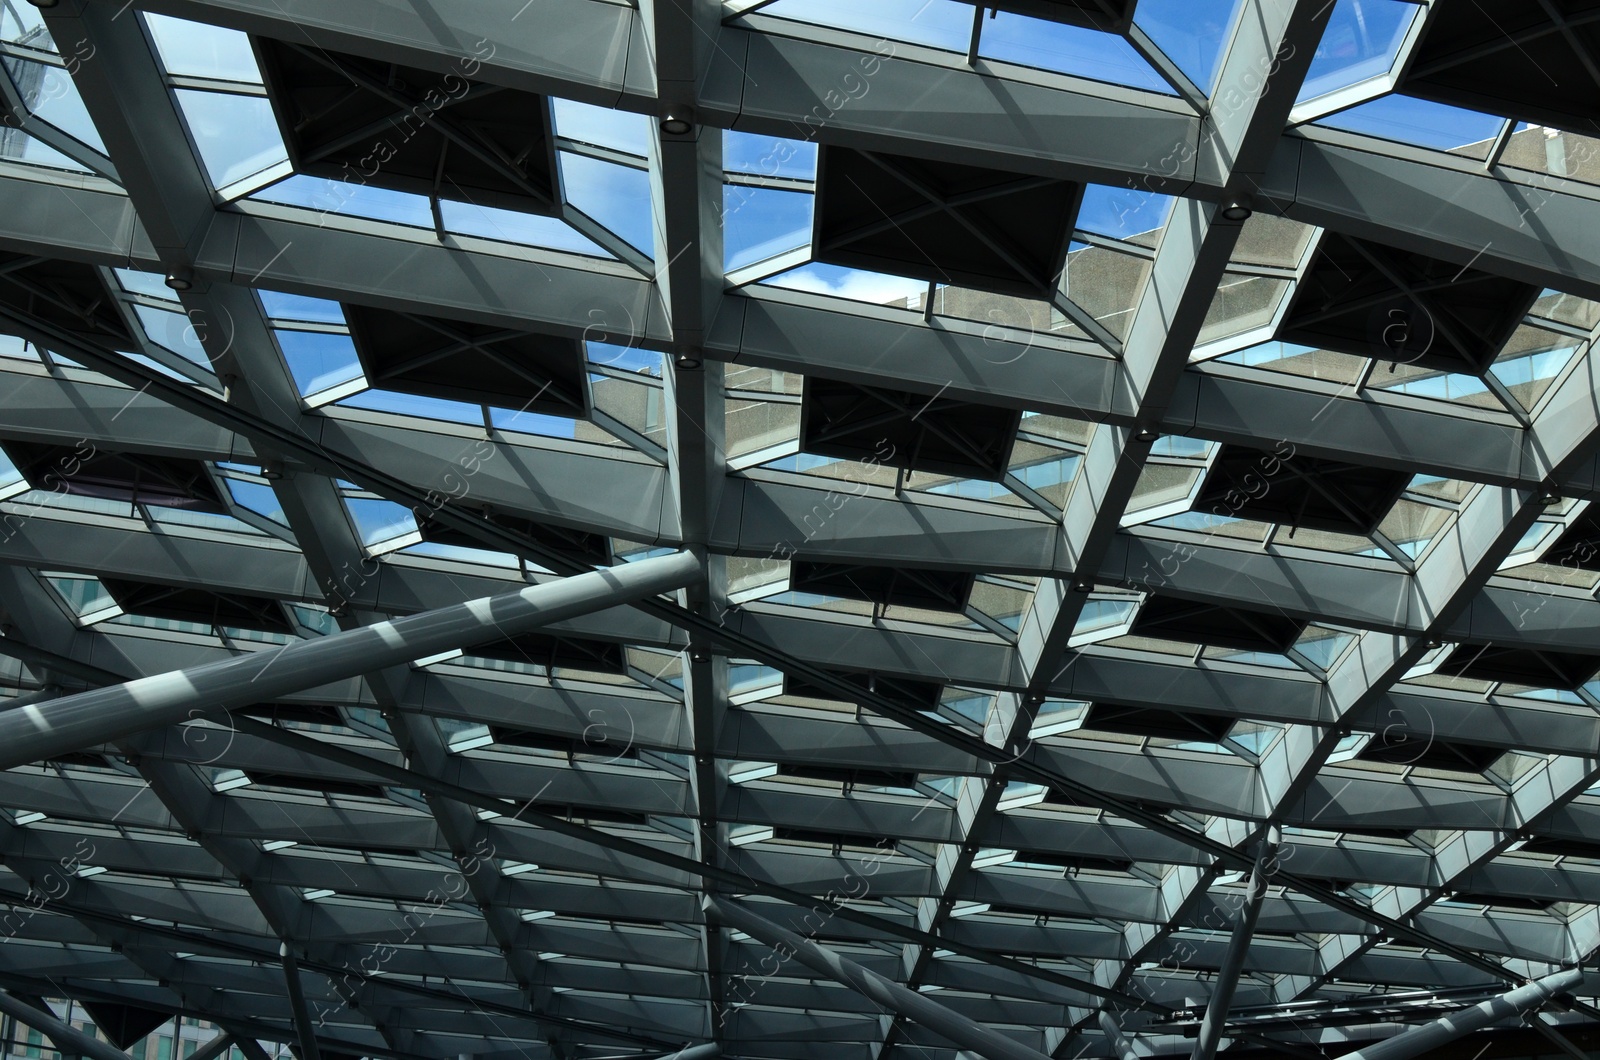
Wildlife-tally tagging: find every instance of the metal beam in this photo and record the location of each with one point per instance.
(1549, 1030)
(1119, 1041)
(67, 1038)
(92, 718)
(891, 995)
(297, 1002)
(1419, 1040)
(1227, 978)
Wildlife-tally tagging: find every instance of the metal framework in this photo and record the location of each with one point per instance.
(1174, 635)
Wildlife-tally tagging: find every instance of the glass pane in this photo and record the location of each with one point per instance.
(768, 156)
(760, 223)
(936, 23)
(1241, 304)
(237, 136)
(1066, 49)
(1190, 33)
(1553, 151)
(1106, 284)
(1421, 123)
(195, 49)
(49, 93)
(602, 126)
(615, 195)
(1361, 41)
(318, 361)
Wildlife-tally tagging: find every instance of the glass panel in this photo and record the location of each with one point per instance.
(516, 226)
(1270, 240)
(601, 126)
(1106, 284)
(1190, 33)
(1241, 304)
(195, 49)
(936, 23)
(1124, 213)
(1531, 361)
(757, 425)
(237, 136)
(1360, 42)
(378, 521)
(615, 195)
(1442, 386)
(768, 156)
(1422, 124)
(1302, 361)
(49, 93)
(853, 284)
(1066, 49)
(349, 198)
(21, 23)
(18, 146)
(317, 360)
(1568, 309)
(1557, 152)
(760, 223)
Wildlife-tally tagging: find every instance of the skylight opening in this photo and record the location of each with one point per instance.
(942, 24)
(1191, 33)
(196, 49)
(1061, 48)
(48, 92)
(1361, 42)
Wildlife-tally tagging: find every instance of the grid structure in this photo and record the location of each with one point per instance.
(1139, 457)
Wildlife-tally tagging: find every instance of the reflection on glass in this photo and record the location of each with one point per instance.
(378, 521)
(1531, 361)
(49, 93)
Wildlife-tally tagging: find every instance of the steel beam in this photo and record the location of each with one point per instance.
(67, 1038)
(297, 1002)
(1419, 1040)
(92, 718)
(891, 995)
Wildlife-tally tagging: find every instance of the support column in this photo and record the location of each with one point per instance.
(1222, 988)
(66, 1038)
(963, 1032)
(1419, 1040)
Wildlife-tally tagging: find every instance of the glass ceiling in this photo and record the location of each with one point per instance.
(1140, 457)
